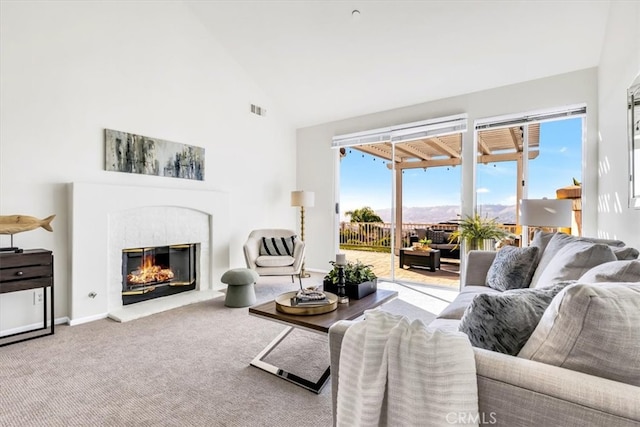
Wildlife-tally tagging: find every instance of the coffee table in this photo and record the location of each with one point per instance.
(430, 259)
(319, 323)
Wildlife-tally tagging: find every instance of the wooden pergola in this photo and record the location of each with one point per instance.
(494, 145)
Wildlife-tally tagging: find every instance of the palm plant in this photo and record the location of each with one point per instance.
(365, 214)
(364, 217)
(474, 229)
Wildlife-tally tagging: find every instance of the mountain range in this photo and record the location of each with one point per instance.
(505, 214)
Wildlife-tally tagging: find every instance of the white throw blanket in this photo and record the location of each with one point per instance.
(397, 373)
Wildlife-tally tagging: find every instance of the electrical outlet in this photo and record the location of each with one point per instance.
(38, 297)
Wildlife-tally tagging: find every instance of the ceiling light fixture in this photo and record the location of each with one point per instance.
(355, 15)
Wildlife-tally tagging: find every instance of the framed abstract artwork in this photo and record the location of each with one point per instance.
(128, 152)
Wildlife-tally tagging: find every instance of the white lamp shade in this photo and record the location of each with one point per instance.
(546, 212)
(302, 198)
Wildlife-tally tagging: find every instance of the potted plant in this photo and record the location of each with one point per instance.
(359, 279)
(478, 233)
(424, 244)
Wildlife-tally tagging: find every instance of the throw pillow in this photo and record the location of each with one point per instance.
(447, 236)
(503, 322)
(551, 243)
(610, 242)
(277, 246)
(591, 328)
(430, 234)
(437, 236)
(567, 258)
(615, 271)
(541, 240)
(625, 253)
(512, 268)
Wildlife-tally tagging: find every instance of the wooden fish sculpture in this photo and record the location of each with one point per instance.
(12, 224)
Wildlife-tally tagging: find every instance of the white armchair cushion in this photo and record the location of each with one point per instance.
(274, 261)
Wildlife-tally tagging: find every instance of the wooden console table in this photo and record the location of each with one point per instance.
(31, 269)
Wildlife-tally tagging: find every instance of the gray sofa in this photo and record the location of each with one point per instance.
(517, 391)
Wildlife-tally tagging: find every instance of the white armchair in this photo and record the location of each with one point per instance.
(278, 258)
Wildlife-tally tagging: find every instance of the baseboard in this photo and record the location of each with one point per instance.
(26, 328)
(87, 319)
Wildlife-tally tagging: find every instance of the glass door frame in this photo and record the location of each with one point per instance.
(393, 135)
(524, 120)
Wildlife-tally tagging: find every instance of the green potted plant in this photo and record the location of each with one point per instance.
(478, 233)
(424, 244)
(359, 279)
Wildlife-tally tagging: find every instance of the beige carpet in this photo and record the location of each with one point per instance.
(184, 367)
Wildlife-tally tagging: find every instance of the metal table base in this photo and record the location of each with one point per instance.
(310, 385)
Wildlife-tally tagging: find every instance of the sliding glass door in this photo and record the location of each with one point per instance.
(529, 156)
(415, 168)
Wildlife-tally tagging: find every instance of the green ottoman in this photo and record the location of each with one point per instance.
(240, 292)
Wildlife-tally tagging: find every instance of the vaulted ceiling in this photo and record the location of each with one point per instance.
(317, 63)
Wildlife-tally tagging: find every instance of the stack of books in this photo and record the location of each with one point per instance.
(309, 297)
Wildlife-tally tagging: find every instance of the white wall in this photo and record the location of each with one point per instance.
(619, 65)
(317, 162)
(71, 69)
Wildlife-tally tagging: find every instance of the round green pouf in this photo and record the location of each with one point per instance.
(240, 291)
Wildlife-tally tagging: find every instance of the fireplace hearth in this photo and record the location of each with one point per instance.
(154, 272)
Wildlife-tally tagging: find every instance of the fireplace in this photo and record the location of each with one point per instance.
(159, 271)
(129, 216)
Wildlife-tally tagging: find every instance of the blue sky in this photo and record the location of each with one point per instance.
(365, 181)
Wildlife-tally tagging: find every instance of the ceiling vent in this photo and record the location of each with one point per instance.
(255, 109)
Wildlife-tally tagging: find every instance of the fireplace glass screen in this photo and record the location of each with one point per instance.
(157, 272)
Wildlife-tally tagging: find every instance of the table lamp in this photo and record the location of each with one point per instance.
(554, 213)
(304, 199)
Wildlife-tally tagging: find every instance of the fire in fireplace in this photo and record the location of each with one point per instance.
(157, 272)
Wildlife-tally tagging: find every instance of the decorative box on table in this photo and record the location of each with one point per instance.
(358, 291)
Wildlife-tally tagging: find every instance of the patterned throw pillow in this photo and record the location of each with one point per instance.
(512, 268)
(430, 234)
(438, 236)
(503, 322)
(277, 246)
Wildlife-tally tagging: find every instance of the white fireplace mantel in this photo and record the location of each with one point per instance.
(100, 230)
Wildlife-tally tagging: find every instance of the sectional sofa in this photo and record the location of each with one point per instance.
(577, 363)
